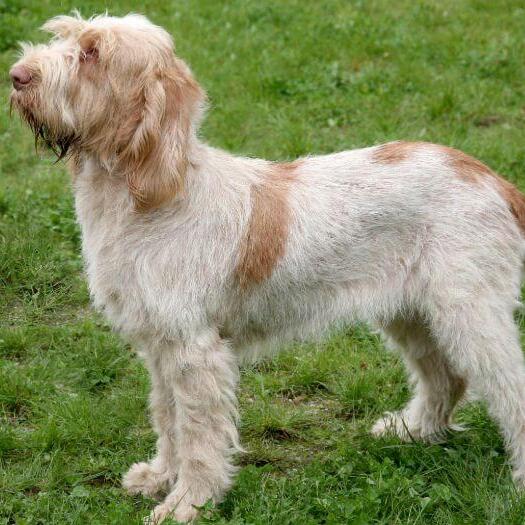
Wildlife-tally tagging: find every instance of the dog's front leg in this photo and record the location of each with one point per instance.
(157, 476)
(203, 376)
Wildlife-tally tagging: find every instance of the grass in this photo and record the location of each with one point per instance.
(285, 78)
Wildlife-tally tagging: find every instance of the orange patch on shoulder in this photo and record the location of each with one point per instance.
(264, 243)
(473, 171)
(394, 152)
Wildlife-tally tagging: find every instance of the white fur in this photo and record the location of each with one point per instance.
(433, 260)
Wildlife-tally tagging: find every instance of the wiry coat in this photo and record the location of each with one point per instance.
(202, 258)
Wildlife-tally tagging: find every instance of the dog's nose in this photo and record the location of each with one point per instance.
(20, 76)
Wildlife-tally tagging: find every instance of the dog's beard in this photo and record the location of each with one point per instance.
(58, 141)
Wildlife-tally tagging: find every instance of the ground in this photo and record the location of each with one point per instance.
(284, 78)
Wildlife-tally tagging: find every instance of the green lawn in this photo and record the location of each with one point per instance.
(285, 78)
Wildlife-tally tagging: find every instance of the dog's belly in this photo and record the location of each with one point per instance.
(265, 321)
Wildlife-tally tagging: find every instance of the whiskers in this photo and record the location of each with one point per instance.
(60, 144)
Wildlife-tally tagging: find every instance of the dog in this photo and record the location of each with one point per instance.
(203, 259)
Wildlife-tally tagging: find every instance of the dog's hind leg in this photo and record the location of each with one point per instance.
(437, 388)
(483, 345)
(158, 475)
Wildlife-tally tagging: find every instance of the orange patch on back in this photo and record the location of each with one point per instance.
(264, 243)
(472, 170)
(394, 152)
(515, 199)
(468, 168)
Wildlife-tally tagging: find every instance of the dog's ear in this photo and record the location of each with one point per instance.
(140, 138)
(64, 26)
(161, 125)
(89, 42)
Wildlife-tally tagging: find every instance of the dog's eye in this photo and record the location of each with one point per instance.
(89, 55)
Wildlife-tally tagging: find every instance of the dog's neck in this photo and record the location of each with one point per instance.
(209, 181)
(212, 177)
(165, 168)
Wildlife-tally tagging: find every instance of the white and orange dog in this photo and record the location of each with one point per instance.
(201, 258)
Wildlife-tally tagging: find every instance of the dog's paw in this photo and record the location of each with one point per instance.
(429, 430)
(395, 424)
(518, 476)
(182, 513)
(141, 478)
(384, 425)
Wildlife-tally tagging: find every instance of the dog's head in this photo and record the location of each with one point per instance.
(113, 87)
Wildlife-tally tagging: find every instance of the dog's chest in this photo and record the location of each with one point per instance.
(110, 263)
(114, 250)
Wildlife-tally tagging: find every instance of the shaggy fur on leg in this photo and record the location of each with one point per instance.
(203, 259)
